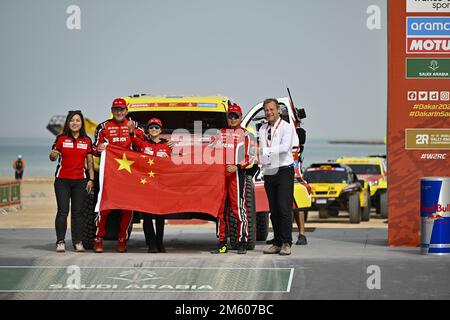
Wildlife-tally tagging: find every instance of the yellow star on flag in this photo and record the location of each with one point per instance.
(151, 174)
(124, 163)
(143, 156)
(150, 162)
(143, 181)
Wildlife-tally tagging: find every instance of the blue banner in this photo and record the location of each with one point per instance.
(428, 26)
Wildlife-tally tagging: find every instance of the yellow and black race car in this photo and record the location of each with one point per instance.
(373, 170)
(335, 187)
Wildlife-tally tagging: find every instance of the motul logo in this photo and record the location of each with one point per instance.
(428, 45)
(436, 208)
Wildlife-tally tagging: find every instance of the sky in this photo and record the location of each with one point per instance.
(247, 50)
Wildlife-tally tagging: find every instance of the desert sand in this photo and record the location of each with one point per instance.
(38, 207)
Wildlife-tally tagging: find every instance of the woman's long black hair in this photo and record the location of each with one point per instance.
(70, 115)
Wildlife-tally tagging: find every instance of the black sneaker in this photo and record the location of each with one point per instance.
(301, 241)
(242, 248)
(152, 249)
(271, 241)
(221, 248)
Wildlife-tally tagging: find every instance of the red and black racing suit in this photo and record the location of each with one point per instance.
(236, 143)
(118, 134)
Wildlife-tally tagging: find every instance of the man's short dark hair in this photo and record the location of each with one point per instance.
(267, 101)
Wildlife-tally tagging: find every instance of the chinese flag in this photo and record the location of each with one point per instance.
(135, 181)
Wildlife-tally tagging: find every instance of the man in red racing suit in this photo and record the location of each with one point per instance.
(236, 143)
(114, 131)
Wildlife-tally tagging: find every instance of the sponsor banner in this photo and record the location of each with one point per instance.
(427, 139)
(427, 68)
(418, 99)
(428, 6)
(428, 26)
(428, 45)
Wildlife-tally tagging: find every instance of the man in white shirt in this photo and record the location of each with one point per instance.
(275, 140)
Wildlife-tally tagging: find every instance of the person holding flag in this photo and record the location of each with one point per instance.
(157, 147)
(115, 131)
(236, 142)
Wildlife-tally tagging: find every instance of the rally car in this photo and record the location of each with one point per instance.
(335, 187)
(373, 170)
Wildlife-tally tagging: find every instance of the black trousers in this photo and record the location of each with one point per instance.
(153, 239)
(280, 193)
(18, 175)
(71, 192)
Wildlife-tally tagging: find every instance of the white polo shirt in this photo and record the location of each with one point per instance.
(276, 152)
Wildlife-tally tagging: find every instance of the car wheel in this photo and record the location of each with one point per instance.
(323, 213)
(333, 213)
(262, 226)
(354, 208)
(88, 217)
(383, 205)
(365, 216)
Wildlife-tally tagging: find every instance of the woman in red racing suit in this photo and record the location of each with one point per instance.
(73, 149)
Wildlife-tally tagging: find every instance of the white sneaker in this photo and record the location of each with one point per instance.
(79, 247)
(60, 247)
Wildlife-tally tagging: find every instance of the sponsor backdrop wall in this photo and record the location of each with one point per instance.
(418, 110)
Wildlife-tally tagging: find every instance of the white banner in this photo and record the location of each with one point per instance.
(437, 6)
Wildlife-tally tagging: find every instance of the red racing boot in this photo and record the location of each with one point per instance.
(98, 245)
(122, 245)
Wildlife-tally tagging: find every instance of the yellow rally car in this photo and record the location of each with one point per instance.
(373, 170)
(335, 187)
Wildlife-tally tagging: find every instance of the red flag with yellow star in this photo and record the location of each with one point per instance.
(135, 181)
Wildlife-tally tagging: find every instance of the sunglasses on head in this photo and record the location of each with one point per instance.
(233, 116)
(154, 127)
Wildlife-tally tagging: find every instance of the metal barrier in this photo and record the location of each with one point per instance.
(10, 194)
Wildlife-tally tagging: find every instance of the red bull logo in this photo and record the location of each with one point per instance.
(435, 216)
(435, 208)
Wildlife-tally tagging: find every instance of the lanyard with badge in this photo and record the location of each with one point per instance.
(270, 136)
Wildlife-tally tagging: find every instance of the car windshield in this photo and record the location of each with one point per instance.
(326, 176)
(365, 168)
(173, 120)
